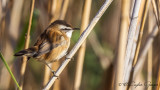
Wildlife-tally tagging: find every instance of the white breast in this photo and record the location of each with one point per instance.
(69, 33)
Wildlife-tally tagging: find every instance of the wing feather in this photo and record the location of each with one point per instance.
(46, 44)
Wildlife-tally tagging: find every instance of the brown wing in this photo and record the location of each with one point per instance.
(48, 41)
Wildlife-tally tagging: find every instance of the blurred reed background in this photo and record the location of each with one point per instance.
(124, 46)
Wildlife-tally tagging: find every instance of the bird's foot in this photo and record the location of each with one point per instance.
(72, 59)
(54, 73)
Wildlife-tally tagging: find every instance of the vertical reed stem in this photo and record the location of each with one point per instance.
(81, 54)
(64, 9)
(27, 38)
(147, 4)
(11, 38)
(158, 80)
(149, 62)
(130, 41)
(122, 43)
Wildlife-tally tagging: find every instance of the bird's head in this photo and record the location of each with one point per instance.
(64, 27)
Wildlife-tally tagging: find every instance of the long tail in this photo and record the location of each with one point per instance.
(27, 52)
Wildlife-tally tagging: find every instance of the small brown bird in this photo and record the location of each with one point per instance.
(52, 44)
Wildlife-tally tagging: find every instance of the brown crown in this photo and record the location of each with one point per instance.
(61, 22)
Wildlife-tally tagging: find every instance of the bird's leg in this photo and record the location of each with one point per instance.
(54, 73)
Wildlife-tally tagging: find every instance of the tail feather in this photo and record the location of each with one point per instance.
(27, 52)
(21, 53)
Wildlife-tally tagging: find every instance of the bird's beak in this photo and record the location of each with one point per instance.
(76, 28)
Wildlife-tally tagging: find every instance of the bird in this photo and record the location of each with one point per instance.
(52, 44)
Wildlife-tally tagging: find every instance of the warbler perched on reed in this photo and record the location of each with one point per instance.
(52, 44)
